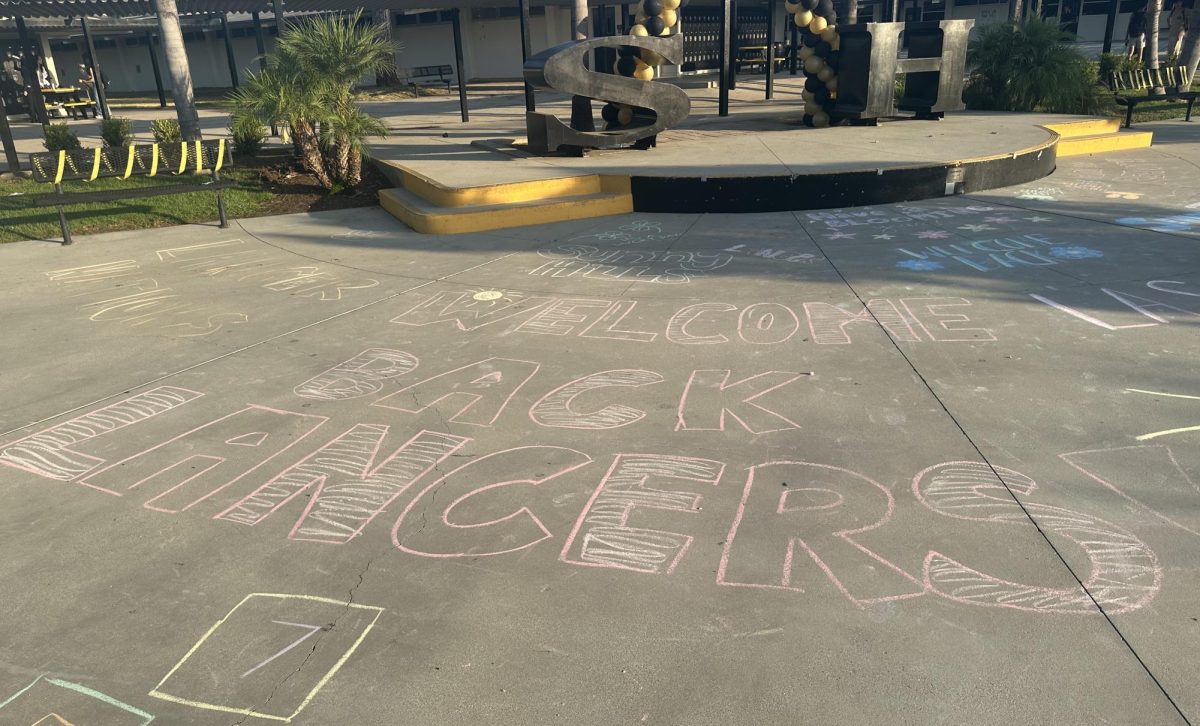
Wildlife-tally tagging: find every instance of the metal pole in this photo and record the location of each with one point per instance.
(233, 69)
(771, 48)
(794, 52)
(37, 102)
(259, 41)
(6, 138)
(723, 59)
(101, 96)
(1110, 24)
(732, 56)
(162, 92)
(62, 218)
(456, 27)
(526, 50)
(280, 23)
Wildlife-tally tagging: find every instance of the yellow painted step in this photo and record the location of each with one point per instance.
(1089, 127)
(506, 193)
(432, 219)
(1103, 143)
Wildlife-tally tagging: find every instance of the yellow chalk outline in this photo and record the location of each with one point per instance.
(1156, 434)
(249, 711)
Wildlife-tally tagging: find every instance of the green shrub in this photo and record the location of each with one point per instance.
(60, 137)
(1030, 67)
(166, 131)
(116, 131)
(1111, 63)
(248, 134)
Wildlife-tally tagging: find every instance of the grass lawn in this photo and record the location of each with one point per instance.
(260, 191)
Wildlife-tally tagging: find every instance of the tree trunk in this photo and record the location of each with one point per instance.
(355, 176)
(1190, 56)
(1016, 11)
(177, 67)
(383, 19)
(1150, 56)
(310, 152)
(852, 12)
(581, 106)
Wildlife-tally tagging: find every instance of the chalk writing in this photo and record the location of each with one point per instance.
(48, 453)
(796, 507)
(1028, 250)
(1124, 572)
(632, 233)
(56, 702)
(475, 394)
(1153, 309)
(1150, 478)
(94, 273)
(362, 375)
(145, 302)
(555, 408)
(1167, 432)
(603, 537)
(893, 215)
(351, 489)
(475, 520)
(1187, 222)
(595, 263)
(772, 253)
(709, 396)
(246, 664)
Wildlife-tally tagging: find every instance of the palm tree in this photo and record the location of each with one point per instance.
(1190, 55)
(387, 77)
(1153, 18)
(177, 67)
(308, 84)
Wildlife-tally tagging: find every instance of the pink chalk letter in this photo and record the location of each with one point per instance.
(767, 324)
(603, 535)
(1124, 573)
(828, 323)
(795, 516)
(193, 466)
(709, 396)
(1146, 476)
(677, 326)
(48, 453)
(362, 375)
(475, 394)
(466, 312)
(351, 488)
(482, 507)
(942, 326)
(555, 409)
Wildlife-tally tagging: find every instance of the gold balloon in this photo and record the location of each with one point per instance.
(803, 18)
(805, 53)
(829, 34)
(669, 17)
(820, 119)
(825, 74)
(624, 115)
(651, 58)
(639, 30)
(791, 8)
(643, 72)
(818, 24)
(808, 96)
(671, 4)
(813, 64)
(831, 84)
(836, 44)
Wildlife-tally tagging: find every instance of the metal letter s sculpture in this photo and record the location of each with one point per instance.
(561, 68)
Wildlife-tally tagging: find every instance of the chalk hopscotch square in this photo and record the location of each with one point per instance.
(269, 656)
(55, 702)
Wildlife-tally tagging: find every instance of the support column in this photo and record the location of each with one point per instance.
(733, 44)
(526, 50)
(794, 46)
(37, 102)
(723, 58)
(101, 96)
(6, 140)
(260, 42)
(158, 84)
(177, 66)
(280, 23)
(229, 56)
(1110, 24)
(771, 12)
(459, 71)
(48, 56)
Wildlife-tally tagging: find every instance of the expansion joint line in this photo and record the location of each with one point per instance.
(983, 457)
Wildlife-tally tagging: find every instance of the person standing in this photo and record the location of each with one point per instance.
(88, 83)
(1135, 36)
(1177, 23)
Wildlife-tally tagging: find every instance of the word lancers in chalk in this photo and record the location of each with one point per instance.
(911, 320)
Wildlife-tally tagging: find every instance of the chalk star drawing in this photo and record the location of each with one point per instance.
(976, 227)
(932, 234)
(885, 236)
(920, 265)
(1075, 252)
(999, 220)
(842, 235)
(1168, 432)
(1037, 219)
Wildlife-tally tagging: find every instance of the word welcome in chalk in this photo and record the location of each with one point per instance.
(1027, 250)
(914, 320)
(796, 524)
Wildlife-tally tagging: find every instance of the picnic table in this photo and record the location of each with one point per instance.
(73, 100)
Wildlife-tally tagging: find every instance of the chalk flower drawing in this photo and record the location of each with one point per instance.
(1075, 252)
(999, 220)
(842, 235)
(920, 265)
(932, 234)
(976, 227)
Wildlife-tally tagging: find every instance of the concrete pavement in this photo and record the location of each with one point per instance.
(923, 463)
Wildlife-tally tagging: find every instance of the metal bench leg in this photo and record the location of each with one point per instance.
(220, 202)
(1129, 115)
(62, 218)
(1188, 117)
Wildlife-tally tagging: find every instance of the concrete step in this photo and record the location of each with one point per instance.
(429, 218)
(1088, 127)
(1103, 143)
(503, 193)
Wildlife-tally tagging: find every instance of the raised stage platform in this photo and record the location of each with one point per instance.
(474, 177)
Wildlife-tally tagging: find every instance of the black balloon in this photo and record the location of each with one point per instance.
(812, 84)
(823, 49)
(627, 51)
(626, 67)
(824, 8)
(652, 7)
(807, 120)
(828, 105)
(821, 95)
(810, 38)
(655, 26)
(808, 4)
(832, 18)
(609, 113)
(833, 60)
